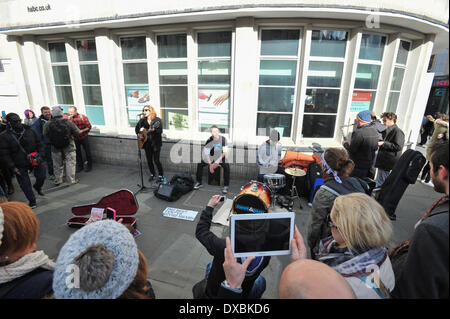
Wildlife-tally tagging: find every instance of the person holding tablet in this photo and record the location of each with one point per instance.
(253, 285)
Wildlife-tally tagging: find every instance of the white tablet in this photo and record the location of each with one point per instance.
(261, 234)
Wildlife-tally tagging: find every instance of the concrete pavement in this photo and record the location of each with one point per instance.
(175, 257)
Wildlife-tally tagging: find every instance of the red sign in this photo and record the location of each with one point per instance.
(440, 83)
(362, 96)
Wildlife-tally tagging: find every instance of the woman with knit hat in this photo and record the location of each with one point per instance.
(30, 117)
(337, 169)
(24, 272)
(101, 261)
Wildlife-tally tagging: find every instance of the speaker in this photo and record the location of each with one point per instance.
(166, 192)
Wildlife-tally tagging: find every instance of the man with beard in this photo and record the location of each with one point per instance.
(421, 264)
(38, 126)
(22, 151)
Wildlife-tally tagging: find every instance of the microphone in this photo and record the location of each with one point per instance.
(140, 114)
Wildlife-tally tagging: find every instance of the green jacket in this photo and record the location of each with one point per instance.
(74, 130)
(321, 207)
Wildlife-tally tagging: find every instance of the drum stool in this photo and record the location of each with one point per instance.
(217, 176)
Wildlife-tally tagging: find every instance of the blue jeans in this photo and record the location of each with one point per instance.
(25, 184)
(381, 177)
(49, 160)
(258, 288)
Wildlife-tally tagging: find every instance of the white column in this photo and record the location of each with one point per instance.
(31, 73)
(419, 85)
(386, 74)
(106, 69)
(245, 88)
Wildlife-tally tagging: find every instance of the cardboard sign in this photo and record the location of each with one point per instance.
(180, 213)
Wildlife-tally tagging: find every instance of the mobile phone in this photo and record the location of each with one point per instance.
(110, 213)
(3, 114)
(222, 198)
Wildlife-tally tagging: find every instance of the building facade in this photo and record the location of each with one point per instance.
(303, 68)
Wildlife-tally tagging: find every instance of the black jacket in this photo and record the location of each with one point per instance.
(155, 137)
(391, 150)
(10, 152)
(425, 273)
(34, 285)
(362, 146)
(216, 247)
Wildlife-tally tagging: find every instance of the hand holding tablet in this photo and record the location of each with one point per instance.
(262, 234)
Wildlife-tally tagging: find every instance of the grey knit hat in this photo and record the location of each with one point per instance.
(111, 241)
(57, 111)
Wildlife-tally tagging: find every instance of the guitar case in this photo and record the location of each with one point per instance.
(123, 201)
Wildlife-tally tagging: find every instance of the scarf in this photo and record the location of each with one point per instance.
(25, 265)
(350, 263)
(329, 171)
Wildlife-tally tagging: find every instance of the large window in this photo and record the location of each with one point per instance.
(173, 85)
(368, 72)
(397, 77)
(61, 76)
(277, 81)
(324, 81)
(134, 62)
(214, 80)
(90, 80)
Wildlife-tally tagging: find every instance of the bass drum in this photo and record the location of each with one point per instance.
(254, 198)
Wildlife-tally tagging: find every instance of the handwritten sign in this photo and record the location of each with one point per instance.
(180, 213)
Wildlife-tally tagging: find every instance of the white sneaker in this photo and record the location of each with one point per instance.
(198, 185)
(430, 183)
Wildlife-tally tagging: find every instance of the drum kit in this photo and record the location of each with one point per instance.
(257, 197)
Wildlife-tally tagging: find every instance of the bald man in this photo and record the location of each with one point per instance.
(311, 279)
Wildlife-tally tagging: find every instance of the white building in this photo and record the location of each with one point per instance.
(303, 67)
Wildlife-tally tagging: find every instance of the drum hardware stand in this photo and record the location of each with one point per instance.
(294, 193)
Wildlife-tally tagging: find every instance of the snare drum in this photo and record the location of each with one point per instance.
(255, 197)
(275, 181)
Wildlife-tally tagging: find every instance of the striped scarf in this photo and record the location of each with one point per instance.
(350, 263)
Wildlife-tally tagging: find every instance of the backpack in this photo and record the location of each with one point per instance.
(59, 134)
(313, 179)
(179, 185)
(183, 183)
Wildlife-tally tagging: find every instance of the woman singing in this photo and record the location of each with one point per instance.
(153, 125)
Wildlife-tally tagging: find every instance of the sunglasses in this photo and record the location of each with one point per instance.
(146, 110)
(330, 223)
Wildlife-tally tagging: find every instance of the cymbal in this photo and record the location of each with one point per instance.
(295, 171)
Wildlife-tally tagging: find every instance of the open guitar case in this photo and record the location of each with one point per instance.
(123, 201)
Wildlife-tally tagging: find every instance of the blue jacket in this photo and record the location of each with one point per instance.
(38, 126)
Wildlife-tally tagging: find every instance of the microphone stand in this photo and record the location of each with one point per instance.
(142, 188)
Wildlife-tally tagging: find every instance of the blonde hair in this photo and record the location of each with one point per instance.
(152, 112)
(362, 221)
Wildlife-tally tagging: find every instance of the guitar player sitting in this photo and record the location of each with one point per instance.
(149, 130)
